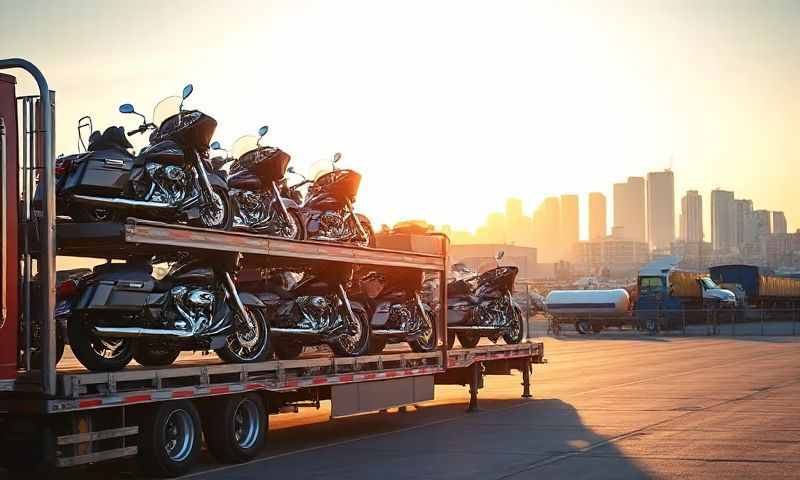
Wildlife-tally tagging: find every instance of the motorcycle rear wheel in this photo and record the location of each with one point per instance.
(96, 354)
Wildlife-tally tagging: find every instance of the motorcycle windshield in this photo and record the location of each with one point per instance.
(169, 107)
(320, 168)
(244, 144)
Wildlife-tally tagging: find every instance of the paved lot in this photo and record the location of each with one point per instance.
(613, 406)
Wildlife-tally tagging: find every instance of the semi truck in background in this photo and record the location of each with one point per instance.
(759, 290)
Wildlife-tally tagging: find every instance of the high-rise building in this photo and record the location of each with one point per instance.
(569, 223)
(629, 208)
(597, 216)
(779, 223)
(763, 223)
(496, 228)
(723, 220)
(745, 232)
(547, 231)
(691, 229)
(661, 209)
(518, 227)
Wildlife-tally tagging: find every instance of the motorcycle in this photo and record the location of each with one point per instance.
(482, 306)
(170, 180)
(327, 211)
(397, 311)
(312, 307)
(125, 312)
(257, 200)
(67, 289)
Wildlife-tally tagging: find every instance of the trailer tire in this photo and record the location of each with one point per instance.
(28, 446)
(468, 340)
(149, 355)
(288, 349)
(236, 428)
(582, 327)
(169, 439)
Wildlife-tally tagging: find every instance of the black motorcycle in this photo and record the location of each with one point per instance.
(397, 311)
(125, 312)
(257, 188)
(170, 180)
(482, 306)
(312, 307)
(327, 211)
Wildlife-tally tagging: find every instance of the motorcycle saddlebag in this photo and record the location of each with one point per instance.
(104, 172)
(119, 287)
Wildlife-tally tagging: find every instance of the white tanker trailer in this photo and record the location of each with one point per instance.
(591, 310)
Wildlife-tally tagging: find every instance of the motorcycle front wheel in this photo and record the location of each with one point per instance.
(515, 332)
(426, 342)
(356, 343)
(217, 216)
(250, 341)
(95, 353)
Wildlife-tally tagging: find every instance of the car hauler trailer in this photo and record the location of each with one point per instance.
(61, 416)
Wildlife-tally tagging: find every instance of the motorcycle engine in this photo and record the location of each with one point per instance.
(318, 311)
(195, 306)
(401, 317)
(332, 225)
(170, 183)
(253, 207)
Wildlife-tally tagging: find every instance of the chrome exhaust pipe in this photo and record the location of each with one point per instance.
(307, 331)
(470, 328)
(135, 332)
(391, 332)
(121, 202)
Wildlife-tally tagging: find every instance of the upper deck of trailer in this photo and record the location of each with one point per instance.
(136, 237)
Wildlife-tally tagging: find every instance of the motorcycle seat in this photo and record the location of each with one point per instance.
(244, 180)
(473, 299)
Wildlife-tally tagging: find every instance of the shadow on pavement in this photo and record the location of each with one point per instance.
(506, 439)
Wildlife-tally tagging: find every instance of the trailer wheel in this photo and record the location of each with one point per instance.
(468, 340)
(150, 355)
(169, 439)
(288, 349)
(236, 428)
(582, 326)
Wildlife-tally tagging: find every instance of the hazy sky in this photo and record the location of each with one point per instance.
(447, 108)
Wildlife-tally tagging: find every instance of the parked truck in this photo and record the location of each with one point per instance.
(760, 290)
(590, 310)
(666, 293)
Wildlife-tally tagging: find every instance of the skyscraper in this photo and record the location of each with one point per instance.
(723, 220)
(661, 209)
(518, 227)
(569, 222)
(546, 229)
(629, 209)
(692, 217)
(778, 222)
(763, 223)
(745, 230)
(597, 216)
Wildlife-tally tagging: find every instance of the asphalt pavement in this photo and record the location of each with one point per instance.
(608, 406)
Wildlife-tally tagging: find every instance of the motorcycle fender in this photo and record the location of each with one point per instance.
(217, 181)
(250, 299)
(381, 315)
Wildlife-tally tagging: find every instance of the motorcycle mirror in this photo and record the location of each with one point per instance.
(336, 157)
(126, 108)
(215, 146)
(500, 255)
(187, 90)
(290, 170)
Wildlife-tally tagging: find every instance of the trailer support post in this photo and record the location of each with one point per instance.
(47, 259)
(526, 377)
(474, 384)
